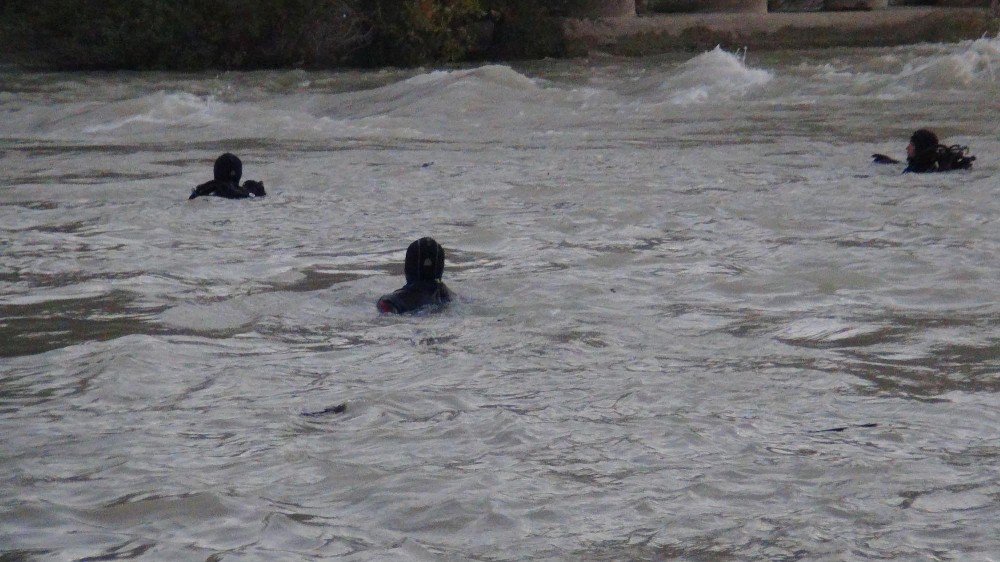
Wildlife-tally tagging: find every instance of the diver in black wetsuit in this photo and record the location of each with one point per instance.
(227, 171)
(925, 154)
(423, 268)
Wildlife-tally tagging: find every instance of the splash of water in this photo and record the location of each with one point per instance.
(714, 76)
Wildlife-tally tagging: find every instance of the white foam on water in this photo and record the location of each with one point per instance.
(822, 331)
(715, 76)
(903, 72)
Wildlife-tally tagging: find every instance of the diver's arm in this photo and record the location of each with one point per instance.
(207, 188)
(883, 159)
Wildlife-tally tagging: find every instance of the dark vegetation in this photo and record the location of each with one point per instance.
(241, 34)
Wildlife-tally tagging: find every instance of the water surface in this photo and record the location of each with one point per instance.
(694, 322)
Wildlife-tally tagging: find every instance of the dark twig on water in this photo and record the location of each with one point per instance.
(843, 428)
(338, 409)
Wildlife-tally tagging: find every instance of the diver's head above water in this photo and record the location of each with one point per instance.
(424, 261)
(228, 168)
(227, 172)
(424, 267)
(922, 141)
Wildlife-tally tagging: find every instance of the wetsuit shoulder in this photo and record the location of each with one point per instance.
(920, 167)
(415, 296)
(220, 188)
(232, 191)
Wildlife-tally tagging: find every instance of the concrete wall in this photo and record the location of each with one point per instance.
(817, 5)
(963, 3)
(704, 6)
(660, 33)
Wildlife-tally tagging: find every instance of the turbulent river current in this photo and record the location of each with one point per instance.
(693, 320)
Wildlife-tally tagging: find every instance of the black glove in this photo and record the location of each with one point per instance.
(254, 188)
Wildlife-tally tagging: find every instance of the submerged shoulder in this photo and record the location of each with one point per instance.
(415, 296)
(444, 294)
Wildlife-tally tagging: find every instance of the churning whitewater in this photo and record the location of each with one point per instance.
(691, 320)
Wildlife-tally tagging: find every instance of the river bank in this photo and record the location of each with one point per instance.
(122, 36)
(658, 33)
